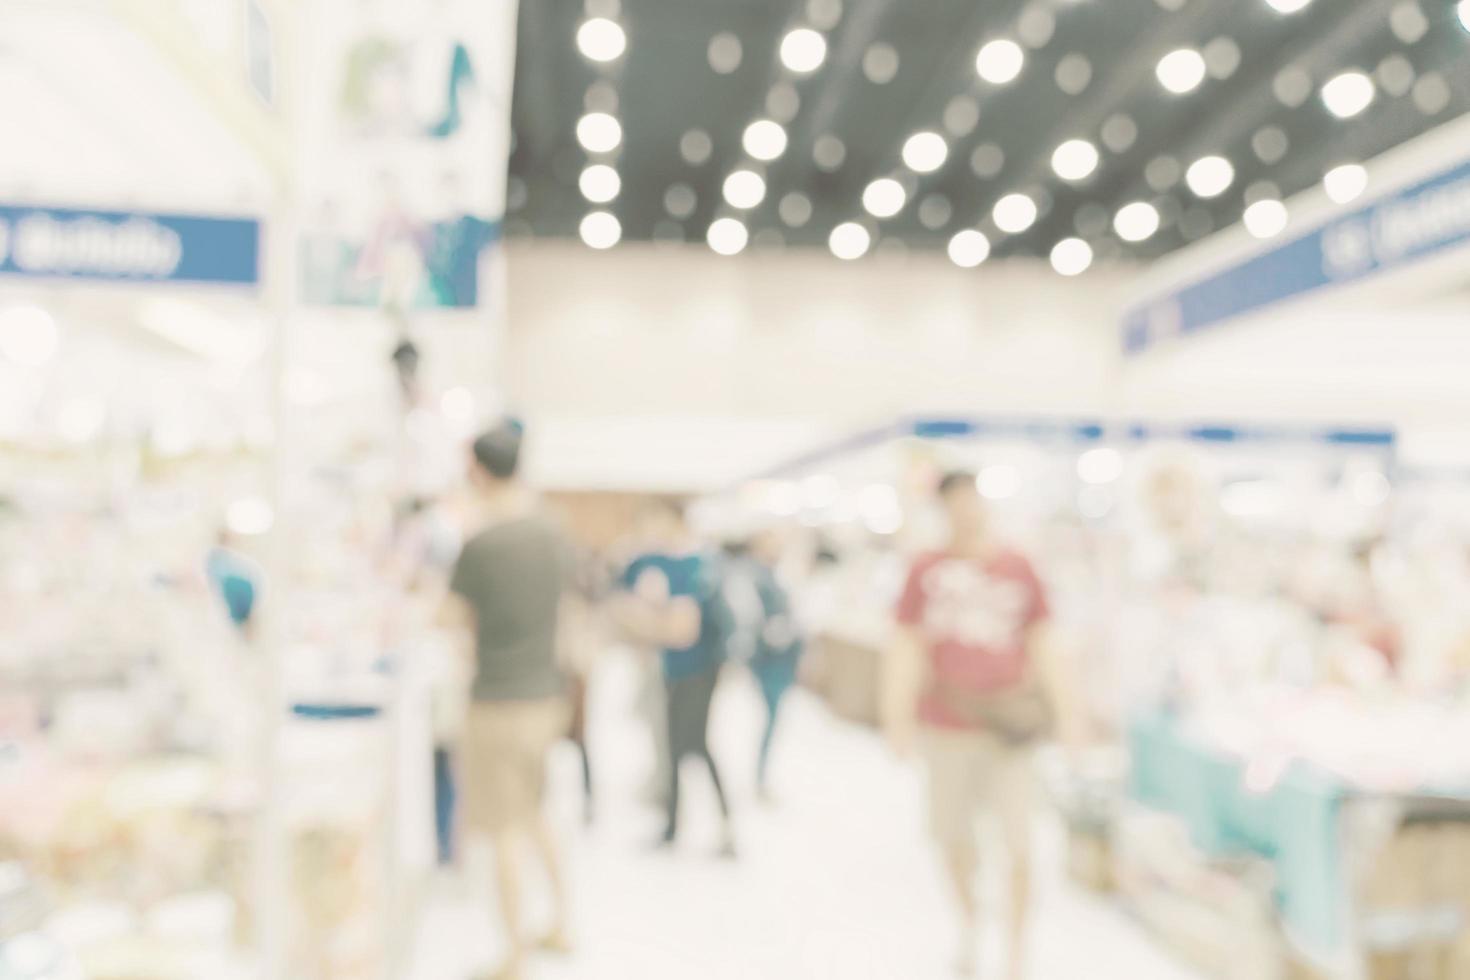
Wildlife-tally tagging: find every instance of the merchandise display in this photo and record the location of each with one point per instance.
(639, 489)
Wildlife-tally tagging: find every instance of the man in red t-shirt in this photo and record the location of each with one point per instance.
(973, 651)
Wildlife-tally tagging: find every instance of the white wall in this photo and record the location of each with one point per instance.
(731, 364)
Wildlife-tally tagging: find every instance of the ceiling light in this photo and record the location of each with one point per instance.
(999, 62)
(695, 146)
(795, 209)
(1071, 257)
(1348, 94)
(987, 161)
(680, 200)
(1075, 160)
(1346, 183)
(884, 197)
(1408, 22)
(28, 336)
(1288, 6)
(1074, 74)
(600, 183)
(1136, 222)
(765, 139)
(961, 115)
(849, 240)
(1222, 57)
(969, 248)
(1210, 176)
(925, 152)
(727, 236)
(935, 211)
(600, 39)
(745, 189)
(1463, 10)
(600, 229)
(1266, 219)
(828, 152)
(1292, 86)
(1432, 93)
(1271, 144)
(1162, 173)
(599, 132)
(1181, 71)
(1119, 133)
(724, 53)
(1014, 213)
(803, 50)
(783, 102)
(880, 63)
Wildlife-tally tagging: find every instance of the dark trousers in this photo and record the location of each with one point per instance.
(444, 804)
(689, 700)
(775, 677)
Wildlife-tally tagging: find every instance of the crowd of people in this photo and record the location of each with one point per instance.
(971, 685)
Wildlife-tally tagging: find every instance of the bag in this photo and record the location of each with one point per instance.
(1018, 715)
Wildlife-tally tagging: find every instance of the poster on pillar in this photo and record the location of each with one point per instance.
(407, 132)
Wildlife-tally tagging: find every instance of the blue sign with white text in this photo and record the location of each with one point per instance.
(1425, 219)
(121, 246)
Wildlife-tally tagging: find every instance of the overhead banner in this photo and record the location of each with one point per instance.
(127, 246)
(1418, 222)
(409, 128)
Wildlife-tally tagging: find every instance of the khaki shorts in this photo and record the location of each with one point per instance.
(973, 774)
(505, 748)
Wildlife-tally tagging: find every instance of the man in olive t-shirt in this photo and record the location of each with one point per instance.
(508, 588)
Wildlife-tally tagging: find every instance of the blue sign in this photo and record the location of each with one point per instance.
(1420, 221)
(120, 246)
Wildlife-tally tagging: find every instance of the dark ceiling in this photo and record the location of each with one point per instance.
(663, 86)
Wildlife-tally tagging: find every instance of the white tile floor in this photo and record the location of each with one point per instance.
(837, 882)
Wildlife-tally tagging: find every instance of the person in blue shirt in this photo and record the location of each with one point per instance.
(672, 601)
(235, 579)
(777, 641)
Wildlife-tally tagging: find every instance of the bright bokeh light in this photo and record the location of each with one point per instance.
(998, 482)
(1075, 160)
(803, 50)
(849, 240)
(250, 516)
(1348, 94)
(1346, 183)
(969, 248)
(764, 139)
(1000, 61)
(1288, 6)
(884, 197)
(1136, 222)
(925, 152)
(1071, 257)
(82, 419)
(727, 236)
(1210, 176)
(600, 229)
(1266, 219)
(1463, 10)
(1181, 71)
(744, 189)
(28, 336)
(600, 183)
(458, 405)
(599, 132)
(1014, 213)
(1101, 465)
(600, 39)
